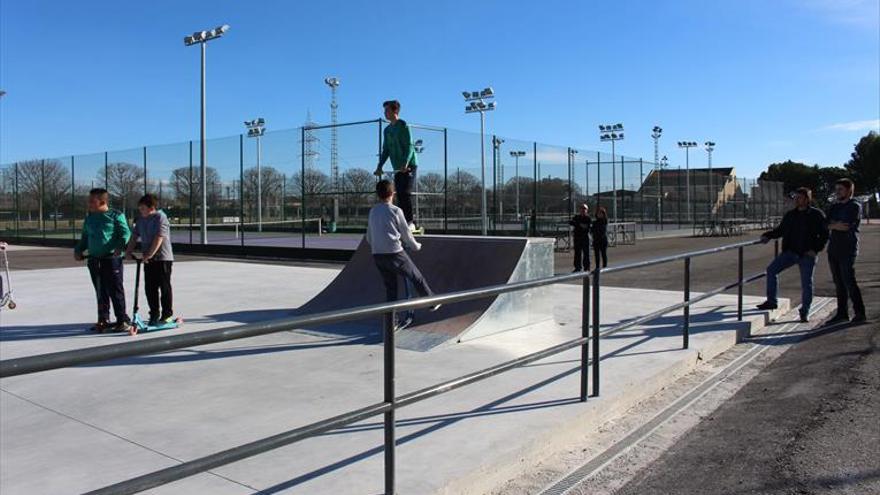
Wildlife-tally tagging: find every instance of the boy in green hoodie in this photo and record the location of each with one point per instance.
(104, 236)
(398, 146)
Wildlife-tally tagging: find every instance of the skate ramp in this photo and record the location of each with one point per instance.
(449, 263)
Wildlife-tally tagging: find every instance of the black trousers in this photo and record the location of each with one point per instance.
(106, 275)
(399, 264)
(581, 255)
(403, 185)
(157, 285)
(844, 274)
(600, 249)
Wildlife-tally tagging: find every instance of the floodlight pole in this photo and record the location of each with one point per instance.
(203, 153)
(516, 154)
(710, 147)
(657, 132)
(485, 220)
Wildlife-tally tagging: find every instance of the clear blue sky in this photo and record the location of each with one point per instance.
(766, 80)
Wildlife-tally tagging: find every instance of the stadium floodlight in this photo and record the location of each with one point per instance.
(613, 133)
(201, 38)
(478, 105)
(687, 145)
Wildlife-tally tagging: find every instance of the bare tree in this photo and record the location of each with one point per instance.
(316, 183)
(270, 189)
(431, 186)
(42, 183)
(182, 187)
(125, 182)
(357, 184)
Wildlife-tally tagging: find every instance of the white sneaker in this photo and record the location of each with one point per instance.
(412, 227)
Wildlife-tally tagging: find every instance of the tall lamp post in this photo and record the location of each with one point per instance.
(656, 132)
(202, 38)
(613, 133)
(476, 104)
(255, 129)
(571, 158)
(710, 147)
(419, 147)
(516, 156)
(498, 176)
(687, 145)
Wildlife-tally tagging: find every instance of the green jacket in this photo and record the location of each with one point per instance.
(103, 233)
(398, 146)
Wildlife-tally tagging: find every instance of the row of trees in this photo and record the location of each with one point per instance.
(863, 167)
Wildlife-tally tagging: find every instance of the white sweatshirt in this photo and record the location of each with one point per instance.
(387, 231)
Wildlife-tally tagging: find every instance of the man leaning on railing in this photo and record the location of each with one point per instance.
(804, 233)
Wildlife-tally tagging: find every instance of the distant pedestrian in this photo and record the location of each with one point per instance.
(804, 233)
(600, 236)
(388, 235)
(398, 146)
(154, 231)
(582, 224)
(104, 236)
(844, 216)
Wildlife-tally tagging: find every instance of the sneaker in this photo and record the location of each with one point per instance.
(435, 307)
(412, 227)
(859, 318)
(404, 323)
(100, 327)
(838, 318)
(121, 326)
(805, 318)
(767, 305)
(167, 320)
(153, 321)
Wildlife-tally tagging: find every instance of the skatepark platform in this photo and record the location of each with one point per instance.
(448, 263)
(82, 428)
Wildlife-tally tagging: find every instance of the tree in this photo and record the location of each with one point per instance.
(864, 164)
(43, 183)
(182, 187)
(270, 189)
(125, 182)
(792, 175)
(315, 184)
(358, 185)
(431, 186)
(464, 191)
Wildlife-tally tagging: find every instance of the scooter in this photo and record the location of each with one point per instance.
(6, 292)
(138, 325)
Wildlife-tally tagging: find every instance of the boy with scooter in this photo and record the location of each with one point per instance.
(154, 232)
(387, 235)
(104, 235)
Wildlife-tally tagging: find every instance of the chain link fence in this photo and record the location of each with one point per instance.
(532, 188)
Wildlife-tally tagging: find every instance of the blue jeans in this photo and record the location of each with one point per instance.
(785, 260)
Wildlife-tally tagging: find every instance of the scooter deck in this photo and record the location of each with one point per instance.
(139, 326)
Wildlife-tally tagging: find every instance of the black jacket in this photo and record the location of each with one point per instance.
(582, 226)
(801, 231)
(600, 231)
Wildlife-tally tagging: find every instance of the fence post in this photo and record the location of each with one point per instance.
(585, 334)
(145, 171)
(686, 329)
(17, 204)
(73, 197)
(241, 188)
(598, 179)
(534, 229)
(192, 209)
(388, 379)
(596, 325)
(641, 196)
(106, 170)
(42, 208)
(445, 182)
(302, 179)
(739, 289)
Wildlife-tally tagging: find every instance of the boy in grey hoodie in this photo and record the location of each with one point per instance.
(387, 235)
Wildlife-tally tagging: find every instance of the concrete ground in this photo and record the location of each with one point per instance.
(110, 421)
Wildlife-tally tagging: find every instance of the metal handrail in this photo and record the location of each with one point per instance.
(44, 362)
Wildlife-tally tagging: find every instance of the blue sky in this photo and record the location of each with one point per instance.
(765, 80)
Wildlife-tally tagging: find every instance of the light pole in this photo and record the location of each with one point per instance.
(656, 132)
(664, 162)
(516, 155)
(476, 103)
(710, 147)
(498, 175)
(419, 147)
(687, 145)
(256, 128)
(202, 38)
(613, 133)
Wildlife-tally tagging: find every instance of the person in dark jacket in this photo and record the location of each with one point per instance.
(804, 233)
(600, 236)
(844, 216)
(582, 224)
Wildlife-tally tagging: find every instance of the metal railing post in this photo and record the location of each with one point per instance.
(388, 379)
(585, 333)
(739, 284)
(686, 328)
(596, 324)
